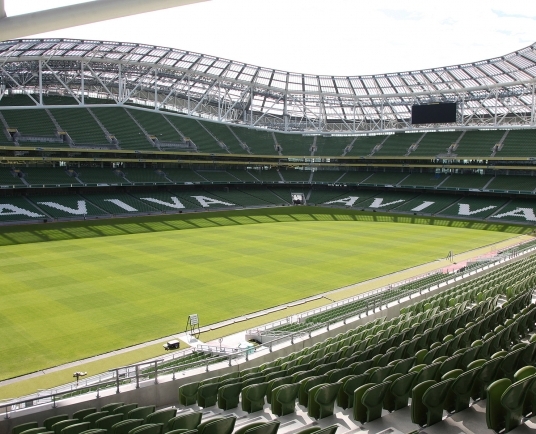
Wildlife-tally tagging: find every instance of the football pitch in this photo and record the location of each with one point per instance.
(88, 290)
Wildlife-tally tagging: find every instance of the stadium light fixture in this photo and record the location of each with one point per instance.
(76, 15)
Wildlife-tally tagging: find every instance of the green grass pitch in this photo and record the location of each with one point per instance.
(87, 293)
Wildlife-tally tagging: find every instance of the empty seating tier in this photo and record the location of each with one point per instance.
(121, 126)
(295, 175)
(74, 206)
(519, 143)
(82, 128)
(433, 144)
(478, 143)
(513, 183)
(398, 144)
(48, 176)
(466, 182)
(327, 176)
(98, 176)
(385, 178)
(259, 142)
(419, 180)
(326, 146)
(295, 144)
(193, 130)
(224, 134)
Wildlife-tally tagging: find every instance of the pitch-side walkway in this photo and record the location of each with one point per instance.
(230, 328)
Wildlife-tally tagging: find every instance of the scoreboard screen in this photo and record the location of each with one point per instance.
(443, 113)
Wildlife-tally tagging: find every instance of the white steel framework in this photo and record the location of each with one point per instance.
(494, 93)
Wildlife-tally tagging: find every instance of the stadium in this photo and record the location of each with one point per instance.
(197, 245)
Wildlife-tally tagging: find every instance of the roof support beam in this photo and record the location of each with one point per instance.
(76, 15)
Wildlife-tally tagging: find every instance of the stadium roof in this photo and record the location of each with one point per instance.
(490, 93)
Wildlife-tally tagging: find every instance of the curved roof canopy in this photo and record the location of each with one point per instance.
(490, 93)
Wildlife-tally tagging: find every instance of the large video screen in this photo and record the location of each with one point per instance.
(433, 113)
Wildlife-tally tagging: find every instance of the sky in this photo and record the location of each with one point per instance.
(335, 37)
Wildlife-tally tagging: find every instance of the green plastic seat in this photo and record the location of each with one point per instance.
(162, 416)
(149, 428)
(403, 366)
(509, 366)
(76, 428)
(107, 422)
(419, 412)
(324, 368)
(337, 374)
(273, 375)
(505, 402)
(332, 429)
(306, 385)
(359, 409)
(299, 376)
(259, 428)
(276, 383)
(380, 374)
(253, 397)
(124, 409)
(372, 399)
(188, 421)
(47, 423)
(207, 395)
(488, 374)
(188, 393)
(428, 373)
(38, 430)
(322, 400)
(93, 417)
(81, 414)
(111, 406)
(461, 390)
(345, 397)
(58, 426)
(141, 412)
(284, 399)
(229, 396)
(360, 367)
(125, 426)
(17, 429)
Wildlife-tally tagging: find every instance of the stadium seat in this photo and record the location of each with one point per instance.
(505, 402)
(81, 414)
(107, 422)
(141, 412)
(284, 399)
(58, 426)
(276, 383)
(188, 421)
(259, 428)
(223, 425)
(161, 416)
(188, 393)
(124, 409)
(49, 422)
(76, 428)
(147, 429)
(253, 397)
(345, 397)
(229, 396)
(332, 429)
(17, 429)
(321, 400)
(125, 426)
(112, 406)
(93, 417)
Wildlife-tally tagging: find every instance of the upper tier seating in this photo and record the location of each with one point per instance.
(225, 135)
(422, 180)
(47, 176)
(478, 143)
(81, 126)
(259, 142)
(433, 144)
(295, 144)
(193, 130)
(398, 144)
(519, 143)
(121, 126)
